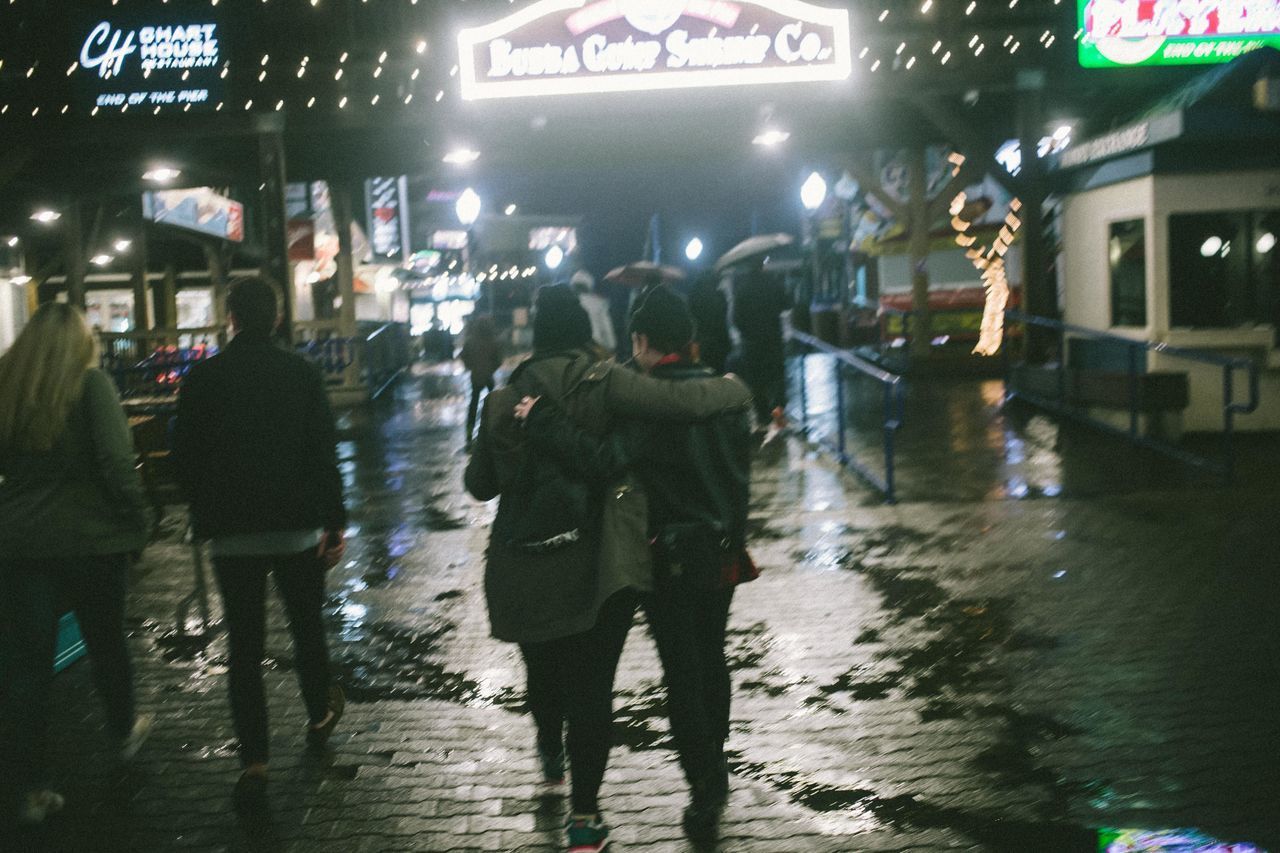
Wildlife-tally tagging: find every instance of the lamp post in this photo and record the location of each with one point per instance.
(812, 195)
(468, 210)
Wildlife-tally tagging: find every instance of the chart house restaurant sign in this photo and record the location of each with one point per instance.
(560, 47)
(1119, 33)
(149, 64)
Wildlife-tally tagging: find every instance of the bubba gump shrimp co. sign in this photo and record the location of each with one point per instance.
(560, 47)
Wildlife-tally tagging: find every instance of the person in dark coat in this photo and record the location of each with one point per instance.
(72, 515)
(482, 356)
(569, 601)
(696, 477)
(758, 302)
(257, 461)
(710, 310)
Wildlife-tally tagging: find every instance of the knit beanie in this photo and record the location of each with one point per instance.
(559, 320)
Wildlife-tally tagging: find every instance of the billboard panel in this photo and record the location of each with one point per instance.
(1129, 33)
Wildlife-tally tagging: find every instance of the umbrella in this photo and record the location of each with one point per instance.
(753, 248)
(641, 273)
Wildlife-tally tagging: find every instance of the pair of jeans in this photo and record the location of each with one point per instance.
(570, 680)
(299, 578)
(688, 626)
(31, 592)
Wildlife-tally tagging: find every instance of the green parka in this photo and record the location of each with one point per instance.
(84, 496)
(533, 599)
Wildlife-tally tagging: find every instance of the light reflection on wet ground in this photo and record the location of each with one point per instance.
(962, 672)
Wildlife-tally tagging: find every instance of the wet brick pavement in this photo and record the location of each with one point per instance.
(947, 674)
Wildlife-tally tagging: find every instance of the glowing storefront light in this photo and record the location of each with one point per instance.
(693, 251)
(560, 47)
(1119, 33)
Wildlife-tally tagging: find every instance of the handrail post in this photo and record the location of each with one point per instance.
(840, 426)
(1228, 423)
(1133, 391)
(804, 389)
(890, 393)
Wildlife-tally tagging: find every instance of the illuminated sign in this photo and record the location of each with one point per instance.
(153, 64)
(1120, 33)
(198, 209)
(388, 222)
(558, 47)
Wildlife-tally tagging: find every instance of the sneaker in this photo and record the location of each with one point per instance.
(38, 805)
(318, 737)
(137, 736)
(250, 794)
(587, 836)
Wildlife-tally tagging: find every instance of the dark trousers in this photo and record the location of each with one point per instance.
(299, 579)
(478, 386)
(688, 627)
(30, 594)
(764, 369)
(570, 680)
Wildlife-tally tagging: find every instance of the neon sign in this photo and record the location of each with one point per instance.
(559, 47)
(157, 65)
(1120, 33)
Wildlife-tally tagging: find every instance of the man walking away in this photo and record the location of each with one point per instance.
(697, 478)
(482, 356)
(710, 312)
(257, 461)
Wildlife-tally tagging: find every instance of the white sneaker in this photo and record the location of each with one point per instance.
(38, 805)
(137, 736)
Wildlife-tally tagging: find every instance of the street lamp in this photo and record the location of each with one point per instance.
(693, 251)
(468, 207)
(555, 257)
(814, 192)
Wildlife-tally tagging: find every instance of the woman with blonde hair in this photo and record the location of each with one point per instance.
(71, 515)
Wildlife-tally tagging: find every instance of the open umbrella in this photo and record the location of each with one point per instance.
(754, 248)
(641, 273)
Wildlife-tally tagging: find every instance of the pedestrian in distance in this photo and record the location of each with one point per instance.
(257, 462)
(567, 554)
(597, 308)
(482, 356)
(74, 520)
(758, 302)
(696, 477)
(710, 310)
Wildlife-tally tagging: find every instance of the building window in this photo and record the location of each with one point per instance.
(1127, 253)
(1223, 269)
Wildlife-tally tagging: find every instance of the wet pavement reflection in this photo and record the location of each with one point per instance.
(963, 671)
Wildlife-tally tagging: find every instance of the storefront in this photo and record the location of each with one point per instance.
(1169, 228)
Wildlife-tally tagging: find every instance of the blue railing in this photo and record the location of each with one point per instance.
(893, 391)
(1067, 399)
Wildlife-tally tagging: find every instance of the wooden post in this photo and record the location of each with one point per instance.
(340, 195)
(141, 314)
(1040, 298)
(275, 237)
(168, 298)
(918, 223)
(73, 246)
(218, 279)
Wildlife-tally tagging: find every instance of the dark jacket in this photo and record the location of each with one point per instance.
(481, 351)
(710, 312)
(81, 498)
(255, 443)
(758, 302)
(697, 473)
(534, 599)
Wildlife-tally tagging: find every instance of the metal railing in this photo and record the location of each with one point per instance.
(1135, 367)
(386, 355)
(148, 366)
(892, 390)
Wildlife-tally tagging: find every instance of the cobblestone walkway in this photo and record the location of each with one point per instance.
(1010, 675)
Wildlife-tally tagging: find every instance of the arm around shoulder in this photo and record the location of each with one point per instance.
(632, 394)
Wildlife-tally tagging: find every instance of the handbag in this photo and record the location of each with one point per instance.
(691, 553)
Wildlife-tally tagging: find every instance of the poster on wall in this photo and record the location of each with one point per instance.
(561, 47)
(196, 209)
(1128, 33)
(149, 58)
